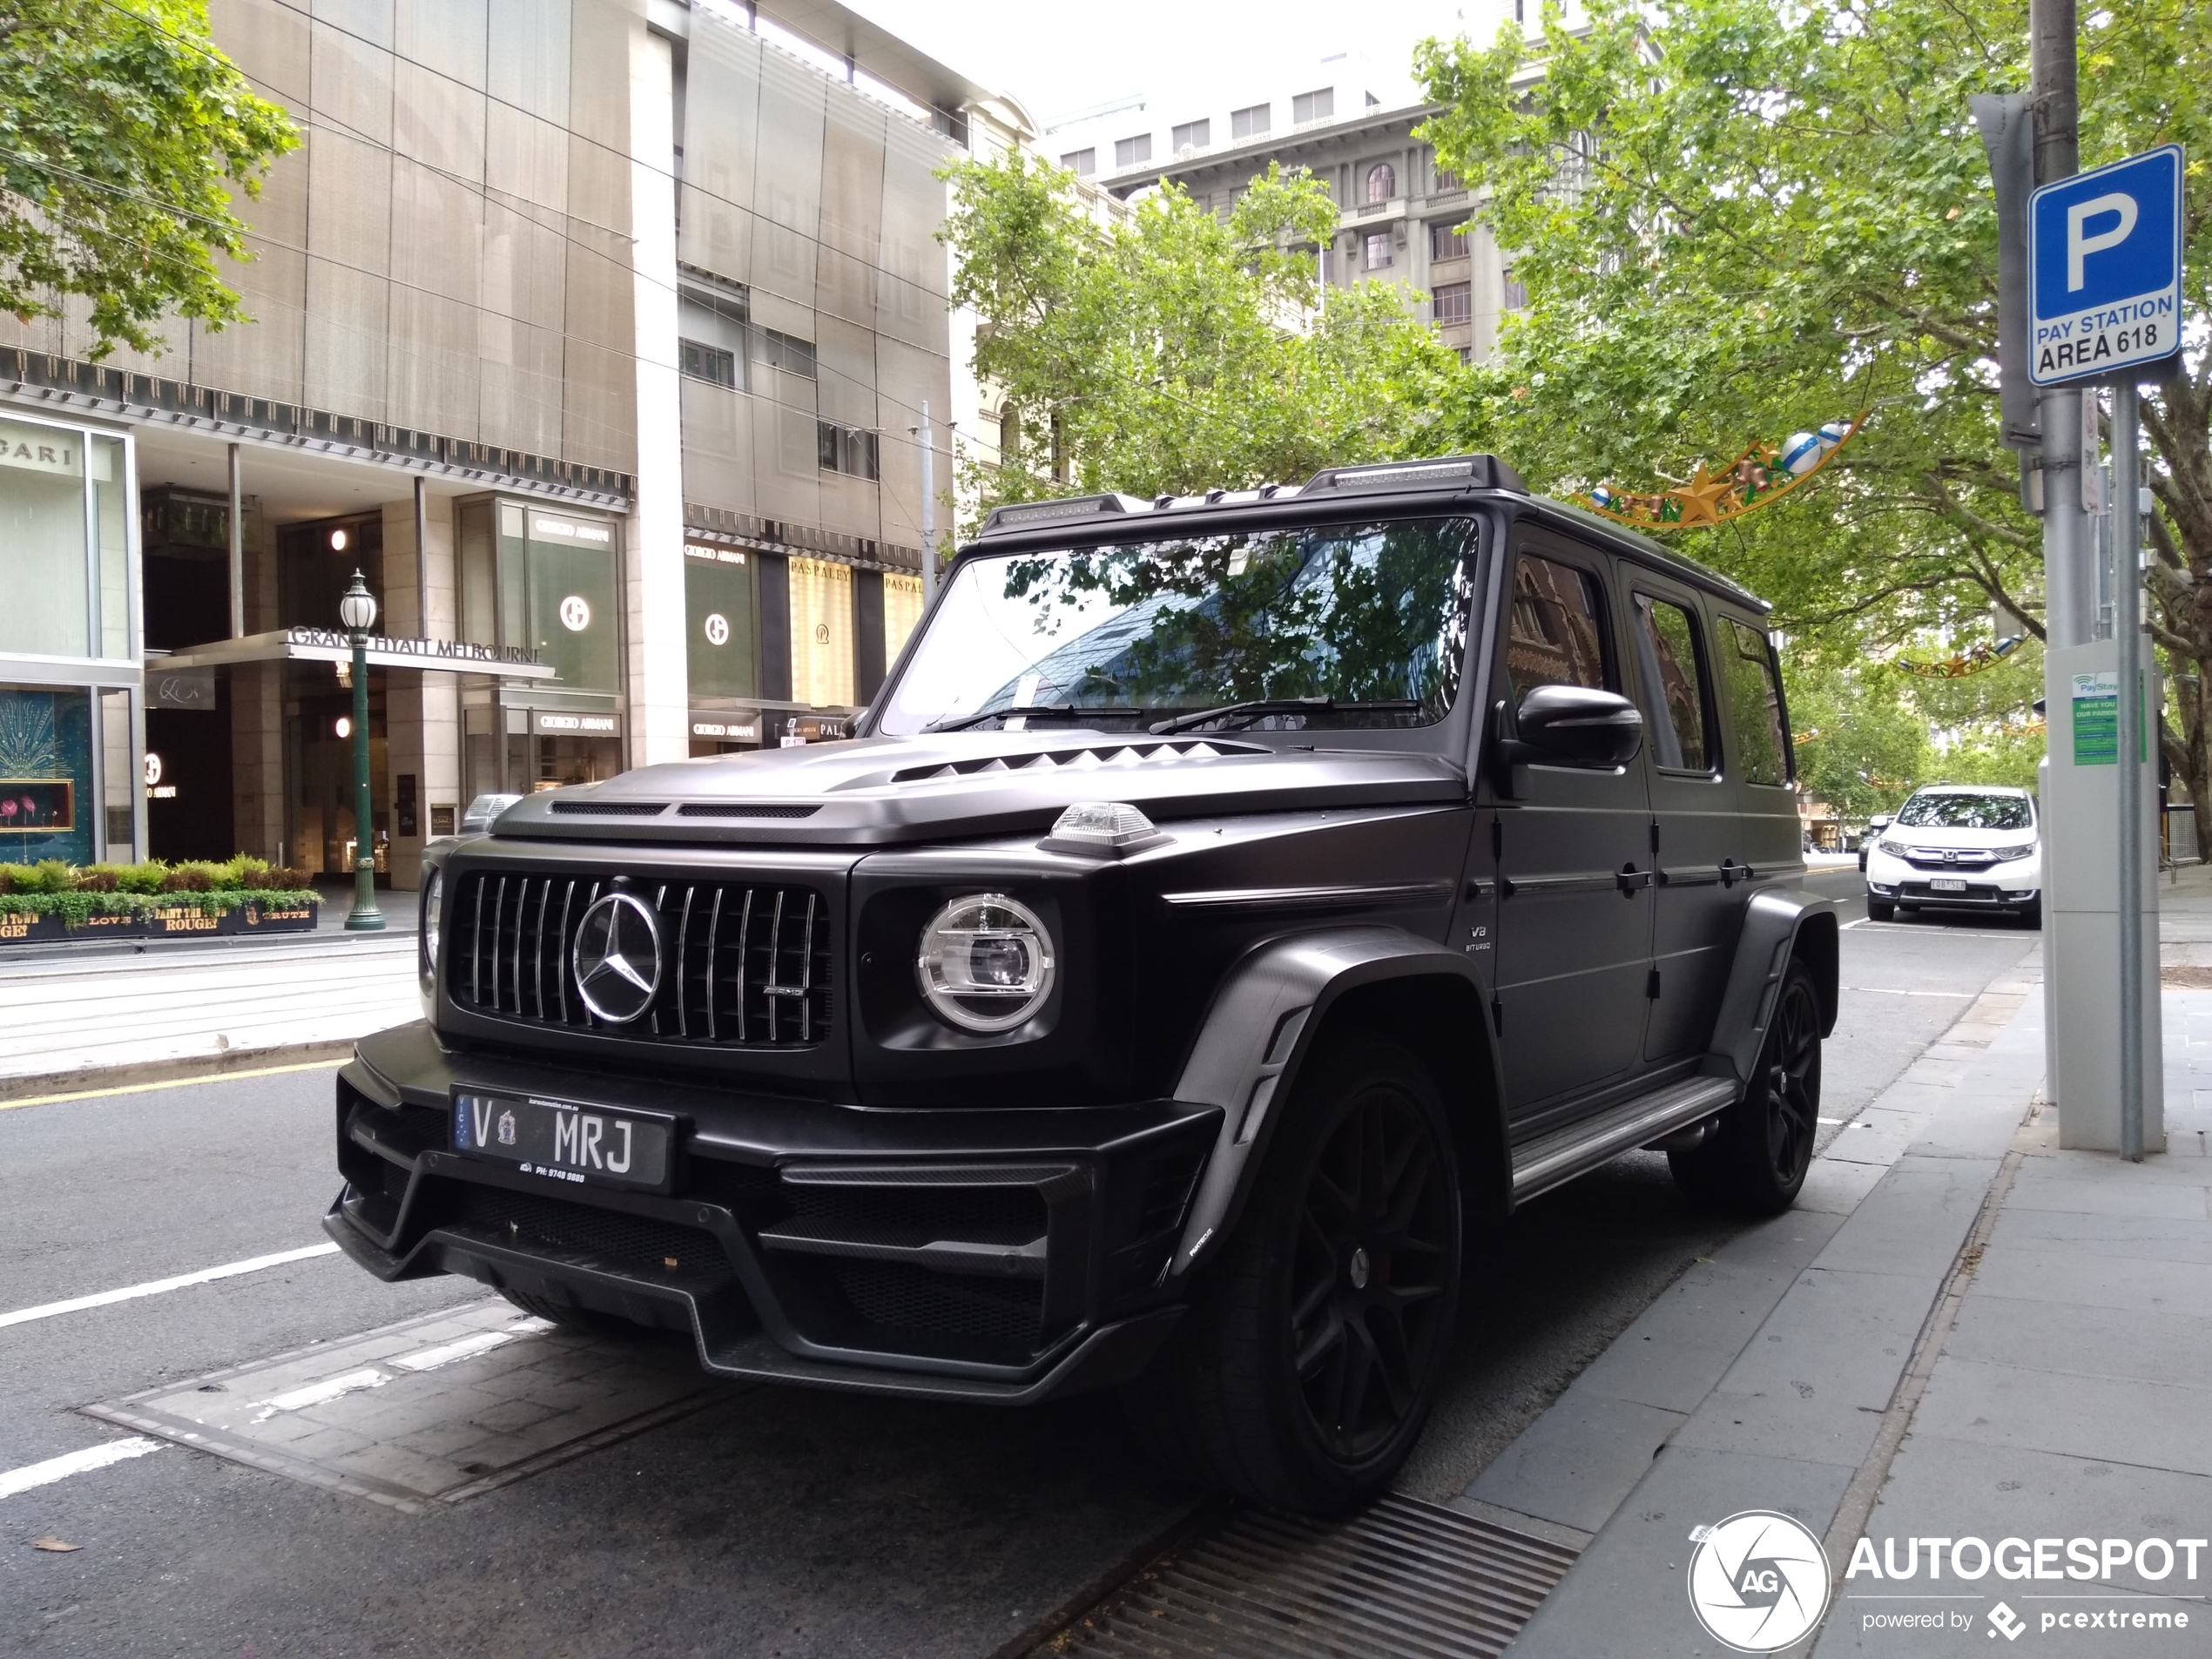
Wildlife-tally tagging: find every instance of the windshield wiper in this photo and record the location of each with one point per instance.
(1029, 711)
(1264, 705)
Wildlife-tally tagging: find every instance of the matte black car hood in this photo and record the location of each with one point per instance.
(891, 789)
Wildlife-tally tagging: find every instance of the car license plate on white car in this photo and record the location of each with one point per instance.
(1946, 884)
(575, 1143)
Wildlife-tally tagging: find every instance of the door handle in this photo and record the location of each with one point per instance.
(1630, 879)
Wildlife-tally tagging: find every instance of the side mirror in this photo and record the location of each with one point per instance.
(1573, 725)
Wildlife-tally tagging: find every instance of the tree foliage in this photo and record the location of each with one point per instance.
(1736, 220)
(125, 138)
(1174, 349)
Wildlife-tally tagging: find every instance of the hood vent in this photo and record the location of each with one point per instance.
(611, 808)
(744, 809)
(1089, 758)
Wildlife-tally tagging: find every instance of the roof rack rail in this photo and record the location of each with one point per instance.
(1471, 472)
(1026, 515)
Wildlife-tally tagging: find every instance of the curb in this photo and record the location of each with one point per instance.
(178, 1069)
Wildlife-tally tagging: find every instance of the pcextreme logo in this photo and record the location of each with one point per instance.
(1759, 1581)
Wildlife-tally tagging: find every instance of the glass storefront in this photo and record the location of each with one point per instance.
(69, 543)
(45, 775)
(720, 612)
(902, 601)
(546, 581)
(821, 633)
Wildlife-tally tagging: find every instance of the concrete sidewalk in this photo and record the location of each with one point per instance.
(1961, 1332)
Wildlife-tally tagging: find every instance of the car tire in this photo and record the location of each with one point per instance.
(1311, 1354)
(586, 1321)
(2031, 914)
(1880, 910)
(1755, 1160)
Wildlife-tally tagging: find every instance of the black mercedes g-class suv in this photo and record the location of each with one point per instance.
(1229, 905)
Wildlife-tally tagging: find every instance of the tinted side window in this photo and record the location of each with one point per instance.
(1755, 704)
(1557, 634)
(1671, 664)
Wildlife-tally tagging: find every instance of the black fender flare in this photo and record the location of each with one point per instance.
(1264, 1021)
(1778, 923)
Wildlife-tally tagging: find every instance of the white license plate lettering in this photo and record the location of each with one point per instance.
(564, 1142)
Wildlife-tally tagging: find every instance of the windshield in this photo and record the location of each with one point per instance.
(1371, 617)
(1957, 810)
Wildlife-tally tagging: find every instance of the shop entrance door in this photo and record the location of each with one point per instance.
(323, 839)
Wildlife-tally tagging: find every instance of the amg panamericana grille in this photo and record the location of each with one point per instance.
(742, 964)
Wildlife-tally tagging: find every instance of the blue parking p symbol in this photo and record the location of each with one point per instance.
(2105, 269)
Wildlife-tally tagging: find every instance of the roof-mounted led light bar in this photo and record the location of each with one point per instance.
(1474, 472)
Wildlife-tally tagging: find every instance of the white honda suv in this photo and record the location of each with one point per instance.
(1971, 846)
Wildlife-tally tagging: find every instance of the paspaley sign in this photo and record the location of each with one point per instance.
(2105, 269)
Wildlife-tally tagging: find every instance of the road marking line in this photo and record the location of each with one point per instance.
(155, 1287)
(431, 1359)
(173, 1082)
(321, 1393)
(60, 1468)
(1883, 990)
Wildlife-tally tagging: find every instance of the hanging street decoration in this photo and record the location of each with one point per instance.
(1961, 663)
(1763, 474)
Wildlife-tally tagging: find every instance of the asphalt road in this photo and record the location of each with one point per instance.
(772, 1522)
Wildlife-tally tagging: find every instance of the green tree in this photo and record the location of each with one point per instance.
(1175, 349)
(124, 139)
(1861, 747)
(1737, 219)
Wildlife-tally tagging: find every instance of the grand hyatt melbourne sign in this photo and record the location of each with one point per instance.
(331, 645)
(442, 653)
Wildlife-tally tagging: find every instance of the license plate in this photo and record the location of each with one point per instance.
(1945, 883)
(581, 1144)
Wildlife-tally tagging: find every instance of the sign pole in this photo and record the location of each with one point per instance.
(2127, 633)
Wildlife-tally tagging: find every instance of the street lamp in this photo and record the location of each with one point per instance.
(357, 610)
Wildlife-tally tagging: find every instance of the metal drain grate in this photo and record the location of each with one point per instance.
(1403, 1579)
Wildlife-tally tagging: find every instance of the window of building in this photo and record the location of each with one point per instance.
(847, 449)
(544, 582)
(1318, 105)
(719, 607)
(1378, 251)
(786, 352)
(1193, 135)
(1448, 241)
(705, 362)
(1448, 182)
(1081, 163)
(821, 632)
(1382, 182)
(1454, 302)
(41, 527)
(1516, 292)
(1133, 152)
(1252, 123)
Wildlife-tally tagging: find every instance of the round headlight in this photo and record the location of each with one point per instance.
(986, 963)
(433, 892)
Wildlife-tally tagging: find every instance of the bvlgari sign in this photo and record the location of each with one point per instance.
(330, 645)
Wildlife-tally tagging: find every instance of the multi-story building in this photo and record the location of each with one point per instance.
(598, 334)
(1401, 219)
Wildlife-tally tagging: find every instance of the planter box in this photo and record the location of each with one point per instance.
(178, 922)
(119, 927)
(292, 919)
(24, 930)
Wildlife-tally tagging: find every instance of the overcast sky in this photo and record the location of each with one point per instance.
(1059, 56)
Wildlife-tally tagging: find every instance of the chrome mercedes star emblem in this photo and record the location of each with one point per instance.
(616, 958)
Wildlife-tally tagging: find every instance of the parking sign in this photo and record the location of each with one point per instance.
(2105, 269)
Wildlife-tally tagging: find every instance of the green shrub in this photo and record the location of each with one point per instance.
(141, 877)
(188, 878)
(99, 878)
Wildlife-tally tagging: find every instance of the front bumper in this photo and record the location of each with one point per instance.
(994, 1255)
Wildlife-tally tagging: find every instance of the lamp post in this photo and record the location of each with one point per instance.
(357, 610)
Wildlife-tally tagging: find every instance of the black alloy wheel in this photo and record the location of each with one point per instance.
(1756, 1158)
(1368, 1275)
(1307, 1365)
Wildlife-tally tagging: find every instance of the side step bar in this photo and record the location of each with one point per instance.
(1564, 1154)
